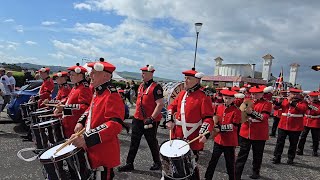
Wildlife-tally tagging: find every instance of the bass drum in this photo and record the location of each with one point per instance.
(171, 91)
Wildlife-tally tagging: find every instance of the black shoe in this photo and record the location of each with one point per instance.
(272, 135)
(290, 161)
(315, 154)
(126, 168)
(155, 166)
(255, 176)
(24, 136)
(299, 152)
(276, 160)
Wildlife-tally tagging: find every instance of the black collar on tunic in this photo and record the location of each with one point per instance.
(63, 84)
(147, 84)
(194, 88)
(101, 88)
(80, 82)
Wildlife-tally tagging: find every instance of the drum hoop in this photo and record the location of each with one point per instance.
(179, 157)
(37, 126)
(38, 113)
(59, 158)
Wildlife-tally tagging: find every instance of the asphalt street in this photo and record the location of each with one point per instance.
(11, 167)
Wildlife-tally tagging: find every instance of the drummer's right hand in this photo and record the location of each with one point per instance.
(78, 127)
(59, 108)
(56, 112)
(170, 125)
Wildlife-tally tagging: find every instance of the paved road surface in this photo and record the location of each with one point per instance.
(11, 167)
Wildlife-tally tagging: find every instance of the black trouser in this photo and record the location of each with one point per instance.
(293, 140)
(229, 156)
(6, 99)
(151, 137)
(257, 151)
(315, 132)
(196, 173)
(275, 125)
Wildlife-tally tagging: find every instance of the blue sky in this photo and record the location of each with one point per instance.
(131, 34)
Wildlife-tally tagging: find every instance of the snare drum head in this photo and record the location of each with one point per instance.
(49, 154)
(173, 150)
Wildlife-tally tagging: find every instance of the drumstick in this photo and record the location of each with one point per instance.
(170, 137)
(48, 115)
(69, 141)
(195, 139)
(55, 105)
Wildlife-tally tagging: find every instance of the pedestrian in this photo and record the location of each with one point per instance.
(7, 86)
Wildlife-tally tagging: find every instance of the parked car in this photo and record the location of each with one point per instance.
(23, 96)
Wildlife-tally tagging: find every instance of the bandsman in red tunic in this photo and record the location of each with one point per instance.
(254, 132)
(45, 89)
(291, 124)
(103, 122)
(191, 113)
(229, 117)
(277, 113)
(146, 119)
(77, 102)
(311, 122)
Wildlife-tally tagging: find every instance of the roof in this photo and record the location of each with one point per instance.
(218, 58)
(234, 79)
(268, 56)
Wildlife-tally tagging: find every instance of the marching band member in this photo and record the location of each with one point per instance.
(103, 122)
(229, 117)
(277, 114)
(146, 119)
(291, 124)
(311, 122)
(190, 114)
(77, 102)
(46, 87)
(254, 132)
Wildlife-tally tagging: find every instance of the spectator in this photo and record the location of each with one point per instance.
(2, 90)
(7, 87)
(127, 92)
(12, 81)
(27, 76)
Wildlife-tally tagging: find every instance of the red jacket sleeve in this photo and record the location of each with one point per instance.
(207, 112)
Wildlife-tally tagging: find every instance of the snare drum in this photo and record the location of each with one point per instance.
(177, 163)
(47, 133)
(69, 163)
(35, 115)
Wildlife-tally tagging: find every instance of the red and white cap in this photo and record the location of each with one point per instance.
(78, 69)
(193, 73)
(268, 89)
(256, 89)
(314, 93)
(101, 65)
(148, 68)
(44, 69)
(61, 74)
(295, 90)
(228, 92)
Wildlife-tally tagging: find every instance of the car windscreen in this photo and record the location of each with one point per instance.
(33, 85)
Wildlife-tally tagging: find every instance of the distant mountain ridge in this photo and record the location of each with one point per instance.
(124, 74)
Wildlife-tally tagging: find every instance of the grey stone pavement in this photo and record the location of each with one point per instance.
(11, 167)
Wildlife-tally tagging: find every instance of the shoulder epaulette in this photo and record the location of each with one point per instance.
(112, 89)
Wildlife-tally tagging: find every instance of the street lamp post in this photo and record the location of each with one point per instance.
(198, 27)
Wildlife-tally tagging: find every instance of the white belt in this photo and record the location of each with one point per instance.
(193, 126)
(98, 172)
(292, 115)
(254, 120)
(313, 117)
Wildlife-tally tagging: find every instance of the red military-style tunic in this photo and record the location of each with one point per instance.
(256, 128)
(63, 92)
(312, 116)
(76, 104)
(191, 109)
(145, 108)
(103, 124)
(230, 115)
(277, 111)
(45, 91)
(292, 117)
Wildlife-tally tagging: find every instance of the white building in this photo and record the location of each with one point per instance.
(293, 73)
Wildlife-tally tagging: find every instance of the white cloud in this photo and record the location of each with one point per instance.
(8, 20)
(48, 23)
(127, 62)
(82, 6)
(19, 29)
(31, 43)
(64, 19)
